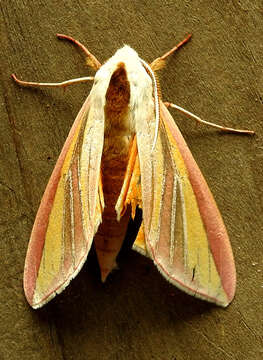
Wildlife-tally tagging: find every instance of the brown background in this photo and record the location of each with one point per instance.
(218, 75)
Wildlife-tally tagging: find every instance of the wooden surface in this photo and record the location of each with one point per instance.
(218, 76)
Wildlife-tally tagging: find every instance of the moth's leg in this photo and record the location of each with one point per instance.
(190, 115)
(91, 59)
(63, 84)
(159, 62)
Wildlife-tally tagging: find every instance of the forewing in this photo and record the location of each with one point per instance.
(70, 210)
(184, 232)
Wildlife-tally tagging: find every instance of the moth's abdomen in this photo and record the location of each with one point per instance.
(111, 233)
(117, 139)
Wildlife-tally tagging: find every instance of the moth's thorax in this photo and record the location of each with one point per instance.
(118, 124)
(117, 95)
(127, 90)
(124, 86)
(124, 89)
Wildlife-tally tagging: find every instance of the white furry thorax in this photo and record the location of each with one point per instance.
(141, 89)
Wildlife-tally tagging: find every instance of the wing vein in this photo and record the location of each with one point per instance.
(184, 220)
(72, 216)
(173, 240)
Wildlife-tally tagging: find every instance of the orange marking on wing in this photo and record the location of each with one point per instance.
(128, 178)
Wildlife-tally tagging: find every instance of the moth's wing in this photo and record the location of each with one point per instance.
(184, 232)
(70, 210)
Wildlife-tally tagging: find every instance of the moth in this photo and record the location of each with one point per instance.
(124, 151)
